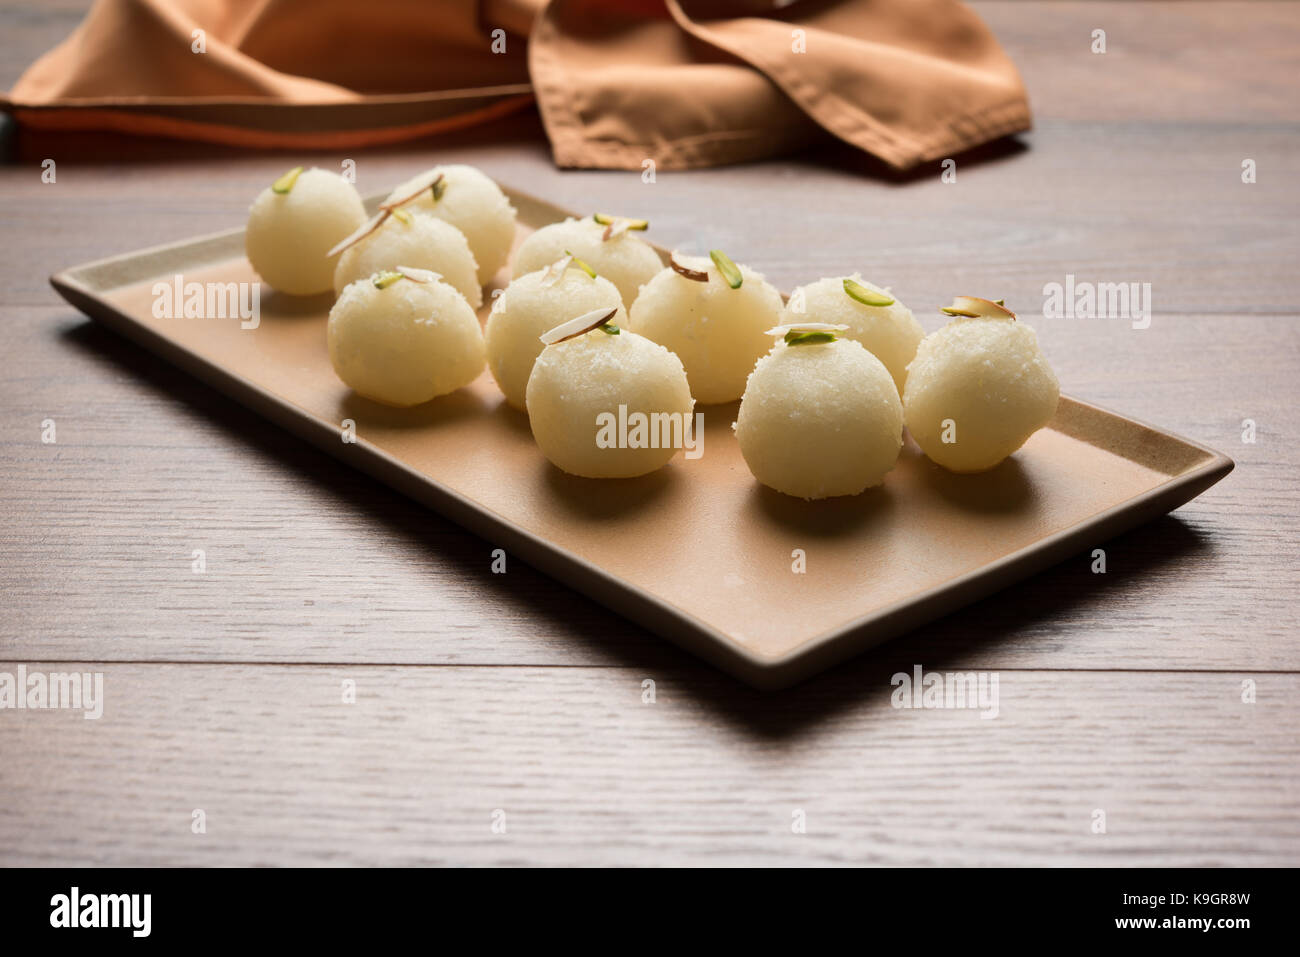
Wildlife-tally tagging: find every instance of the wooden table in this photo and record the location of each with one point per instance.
(478, 693)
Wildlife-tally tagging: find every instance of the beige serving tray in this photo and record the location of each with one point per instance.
(698, 552)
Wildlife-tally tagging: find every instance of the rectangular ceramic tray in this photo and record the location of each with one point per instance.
(698, 551)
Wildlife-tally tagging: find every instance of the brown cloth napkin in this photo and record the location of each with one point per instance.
(684, 83)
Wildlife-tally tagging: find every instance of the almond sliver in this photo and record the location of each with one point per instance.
(578, 326)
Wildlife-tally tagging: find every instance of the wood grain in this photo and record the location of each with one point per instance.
(1119, 692)
(588, 774)
(1105, 203)
(1155, 69)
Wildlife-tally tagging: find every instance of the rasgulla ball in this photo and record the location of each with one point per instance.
(623, 259)
(401, 341)
(534, 304)
(977, 390)
(576, 389)
(820, 419)
(884, 326)
(718, 332)
(417, 240)
(294, 223)
(469, 200)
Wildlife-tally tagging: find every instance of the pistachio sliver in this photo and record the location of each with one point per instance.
(609, 328)
(616, 226)
(729, 271)
(383, 280)
(607, 220)
(362, 231)
(402, 216)
(785, 330)
(868, 297)
(581, 265)
(285, 182)
(438, 187)
(578, 326)
(695, 275)
(796, 338)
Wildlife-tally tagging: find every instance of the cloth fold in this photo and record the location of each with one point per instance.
(682, 83)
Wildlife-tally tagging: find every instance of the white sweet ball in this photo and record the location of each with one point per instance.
(405, 343)
(984, 384)
(475, 205)
(624, 260)
(531, 306)
(289, 234)
(718, 332)
(820, 420)
(417, 240)
(890, 333)
(578, 383)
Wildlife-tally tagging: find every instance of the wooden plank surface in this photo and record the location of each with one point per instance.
(413, 772)
(1119, 691)
(1113, 203)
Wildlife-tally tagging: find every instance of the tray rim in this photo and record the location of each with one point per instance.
(642, 607)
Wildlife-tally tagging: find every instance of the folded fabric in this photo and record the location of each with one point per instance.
(683, 83)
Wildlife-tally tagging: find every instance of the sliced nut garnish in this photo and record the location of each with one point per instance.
(868, 297)
(618, 225)
(386, 210)
(581, 265)
(605, 219)
(695, 275)
(579, 326)
(362, 231)
(555, 271)
(806, 327)
(972, 307)
(437, 186)
(419, 275)
(730, 272)
(383, 280)
(796, 338)
(285, 182)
